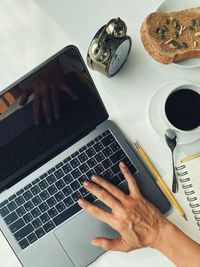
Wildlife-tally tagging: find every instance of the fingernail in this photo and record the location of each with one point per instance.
(85, 184)
(80, 201)
(122, 164)
(94, 177)
(94, 243)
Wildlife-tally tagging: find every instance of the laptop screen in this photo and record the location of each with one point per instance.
(46, 112)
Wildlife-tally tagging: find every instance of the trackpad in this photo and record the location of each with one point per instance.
(76, 235)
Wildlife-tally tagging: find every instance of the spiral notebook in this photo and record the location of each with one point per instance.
(189, 176)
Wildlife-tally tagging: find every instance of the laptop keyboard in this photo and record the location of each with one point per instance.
(52, 198)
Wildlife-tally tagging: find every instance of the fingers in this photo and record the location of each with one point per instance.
(102, 194)
(97, 212)
(37, 109)
(25, 96)
(55, 101)
(110, 244)
(66, 88)
(133, 188)
(47, 104)
(113, 190)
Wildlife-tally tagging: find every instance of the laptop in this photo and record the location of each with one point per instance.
(55, 137)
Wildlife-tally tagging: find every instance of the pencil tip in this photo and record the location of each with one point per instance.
(184, 216)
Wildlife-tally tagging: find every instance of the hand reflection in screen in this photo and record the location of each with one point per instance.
(45, 86)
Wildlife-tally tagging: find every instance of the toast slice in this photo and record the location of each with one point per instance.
(172, 37)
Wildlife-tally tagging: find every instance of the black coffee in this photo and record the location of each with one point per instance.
(182, 109)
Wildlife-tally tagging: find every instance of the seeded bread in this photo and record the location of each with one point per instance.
(172, 37)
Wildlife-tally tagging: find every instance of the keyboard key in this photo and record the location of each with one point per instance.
(82, 179)
(132, 169)
(43, 184)
(44, 175)
(11, 218)
(68, 201)
(5, 202)
(4, 211)
(12, 197)
(35, 212)
(16, 225)
(90, 198)
(75, 154)
(51, 170)
(28, 218)
(90, 152)
(59, 174)
(68, 178)
(36, 223)
(108, 174)
(75, 196)
(99, 169)
(115, 146)
(106, 141)
(98, 138)
(59, 165)
(83, 191)
(36, 200)
(67, 191)
(106, 163)
(27, 195)
(121, 176)
(28, 186)
(44, 218)
(84, 168)
(67, 168)
(39, 232)
(44, 195)
(43, 207)
(12, 206)
(99, 157)
(67, 159)
(107, 151)
(91, 143)
(60, 184)
(60, 207)
(82, 149)
(115, 180)
(28, 206)
(76, 173)
(59, 196)
(115, 168)
(24, 232)
(32, 238)
(98, 147)
(82, 157)
(117, 156)
(36, 181)
(24, 243)
(127, 161)
(20, 211)
(48, 226)
(75, 163)
(51, 179)
(52, 212)
(35, 190)
(52, 190)
(75, 185)
(21, 191)
(91, 162)
(106, 133)
(51, 202)
(66, 214)
(89, 174)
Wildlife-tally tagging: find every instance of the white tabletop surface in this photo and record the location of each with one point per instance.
(31, 31)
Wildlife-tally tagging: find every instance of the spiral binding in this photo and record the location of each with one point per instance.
(189, 192)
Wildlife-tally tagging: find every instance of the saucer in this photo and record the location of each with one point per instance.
(156, 113)
(177, 5)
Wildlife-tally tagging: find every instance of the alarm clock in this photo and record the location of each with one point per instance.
(109, 48)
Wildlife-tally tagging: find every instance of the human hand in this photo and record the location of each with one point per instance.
(45, 85)
(137, 221)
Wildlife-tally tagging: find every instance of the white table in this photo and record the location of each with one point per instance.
(31, 31)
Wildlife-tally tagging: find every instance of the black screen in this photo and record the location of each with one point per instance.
(54, 106)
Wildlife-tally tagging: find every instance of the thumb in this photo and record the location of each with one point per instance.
(117, 244)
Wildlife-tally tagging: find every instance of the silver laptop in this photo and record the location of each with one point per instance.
(55, 136)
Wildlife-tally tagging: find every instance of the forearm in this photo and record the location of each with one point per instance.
(179, 248)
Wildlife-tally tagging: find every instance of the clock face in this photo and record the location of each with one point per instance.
(119, 57)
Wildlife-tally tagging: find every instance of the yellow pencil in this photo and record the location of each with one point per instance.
(159, 180)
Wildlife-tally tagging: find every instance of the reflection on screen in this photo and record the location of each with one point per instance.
(56, 105)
